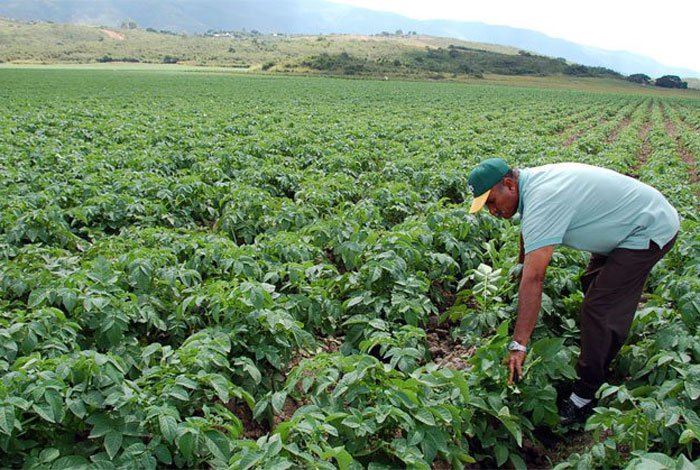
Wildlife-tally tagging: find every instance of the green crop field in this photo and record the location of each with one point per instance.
(227, 271)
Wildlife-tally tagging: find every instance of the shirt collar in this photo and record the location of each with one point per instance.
(522, 179)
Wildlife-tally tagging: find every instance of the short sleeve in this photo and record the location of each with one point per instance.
(544, 223)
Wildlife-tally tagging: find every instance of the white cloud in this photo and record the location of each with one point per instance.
(665, 31)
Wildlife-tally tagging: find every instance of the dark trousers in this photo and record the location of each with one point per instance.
(612, 287)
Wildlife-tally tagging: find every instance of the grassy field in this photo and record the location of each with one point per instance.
(201, 268)
(593, 85)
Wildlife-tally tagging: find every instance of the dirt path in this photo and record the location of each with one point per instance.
(113, 34)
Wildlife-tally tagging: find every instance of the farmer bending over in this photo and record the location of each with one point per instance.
(626, 225)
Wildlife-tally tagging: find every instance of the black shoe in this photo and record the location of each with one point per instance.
(569, 413)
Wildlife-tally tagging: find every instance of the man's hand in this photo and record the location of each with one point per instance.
(515, 364)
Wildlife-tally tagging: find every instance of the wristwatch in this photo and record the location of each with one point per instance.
(515, 346)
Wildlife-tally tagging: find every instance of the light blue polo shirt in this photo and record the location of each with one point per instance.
(591, 209)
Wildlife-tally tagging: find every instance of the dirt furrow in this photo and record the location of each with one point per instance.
(612, 137)
(688, 157)
(615, 132)
(572, 138)
(644, 150)
(683, 151)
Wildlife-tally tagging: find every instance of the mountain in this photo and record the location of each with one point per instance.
(314, 17)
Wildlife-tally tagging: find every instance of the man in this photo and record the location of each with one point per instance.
(627, 226)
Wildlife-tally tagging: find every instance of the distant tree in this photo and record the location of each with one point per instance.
(129, 24)
(639, 78)
(168, 59)
(671, 81)
(399, 32)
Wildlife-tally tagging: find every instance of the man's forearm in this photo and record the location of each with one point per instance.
(529, 303)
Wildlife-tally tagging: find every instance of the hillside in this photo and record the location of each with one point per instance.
(405, 55)
(315, 17)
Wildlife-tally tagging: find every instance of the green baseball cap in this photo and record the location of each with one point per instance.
(483, 178)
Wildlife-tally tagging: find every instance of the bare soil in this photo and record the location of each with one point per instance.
(251, 428)
(687, 156)
(683, 151)
(445, 351)
(615, 132)
(644, 150)
(572, 138)
(113, 34)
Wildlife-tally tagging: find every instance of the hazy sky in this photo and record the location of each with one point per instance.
(667, 31)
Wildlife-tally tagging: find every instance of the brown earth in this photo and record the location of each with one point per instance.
(615, 132)
(683, 151)
(251, 428)
(446, 351)
(687, 156)
(572, 138)
(113, 34)
(645, 149)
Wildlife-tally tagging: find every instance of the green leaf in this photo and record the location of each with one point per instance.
(220, 386)
(517, 461)
(55, 401)
(250, 459)
(501, 453)
(168, 427)
(686, 436)
(692, 388)
(44, 411)
(163, 454)
(278, 399)
(251, 368)
(513, 428)
(70, 300)
(341, 455)
(186, 445)
(7, 419)
(218, 445)
(77, 407)
(179, 393)
(113, 442)
(434, 440)
(425, 416)
(70, 462)
(443, 413)
(49, 454)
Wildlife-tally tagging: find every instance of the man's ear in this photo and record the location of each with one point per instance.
(510, 183)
